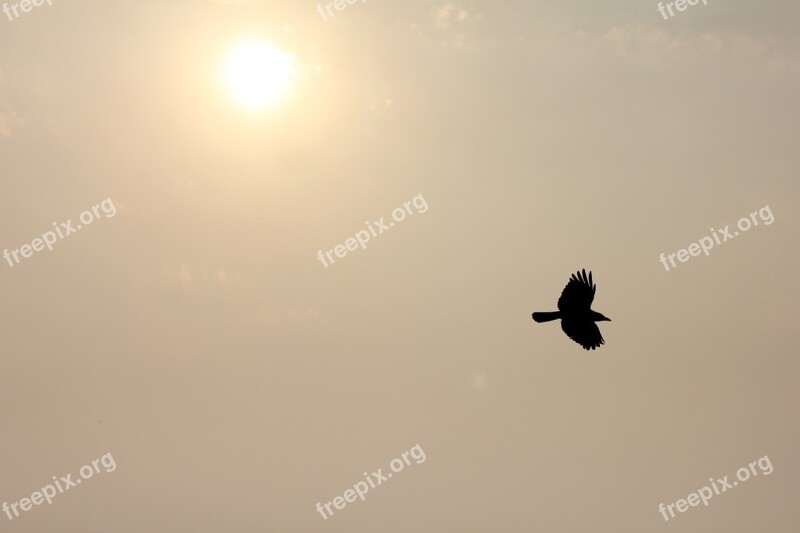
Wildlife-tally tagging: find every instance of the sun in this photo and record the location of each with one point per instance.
(258, 74)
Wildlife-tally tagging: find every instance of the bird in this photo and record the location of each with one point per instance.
(574, 310)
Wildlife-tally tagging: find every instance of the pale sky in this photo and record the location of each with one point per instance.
(196, 336)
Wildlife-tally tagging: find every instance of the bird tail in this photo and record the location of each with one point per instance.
(546, 317)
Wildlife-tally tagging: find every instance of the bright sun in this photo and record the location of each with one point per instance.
(257, 74)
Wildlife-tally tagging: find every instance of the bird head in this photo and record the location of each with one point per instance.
(600, 318)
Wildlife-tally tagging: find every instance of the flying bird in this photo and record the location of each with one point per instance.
(574, 310)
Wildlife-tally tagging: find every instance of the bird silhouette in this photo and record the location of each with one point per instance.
(574, 310)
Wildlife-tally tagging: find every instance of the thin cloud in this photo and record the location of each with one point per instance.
(450, 13)
(655, 44)
(292, 316)
(190, 276)
(10, 119)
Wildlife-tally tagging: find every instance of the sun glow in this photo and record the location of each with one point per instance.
(258, 74)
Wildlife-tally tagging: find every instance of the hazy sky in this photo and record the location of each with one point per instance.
(196, 336)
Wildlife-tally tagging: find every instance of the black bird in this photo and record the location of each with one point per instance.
(574, 310)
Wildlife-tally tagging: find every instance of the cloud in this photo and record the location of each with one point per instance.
(654, 44)
(188, 276)
(292, 316)
(479, 381)
(9, 117)
(449, 13)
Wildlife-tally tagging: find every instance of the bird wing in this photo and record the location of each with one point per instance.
(584, 332)
(578, 294)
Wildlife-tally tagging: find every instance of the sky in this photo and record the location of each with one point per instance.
(195, 338)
